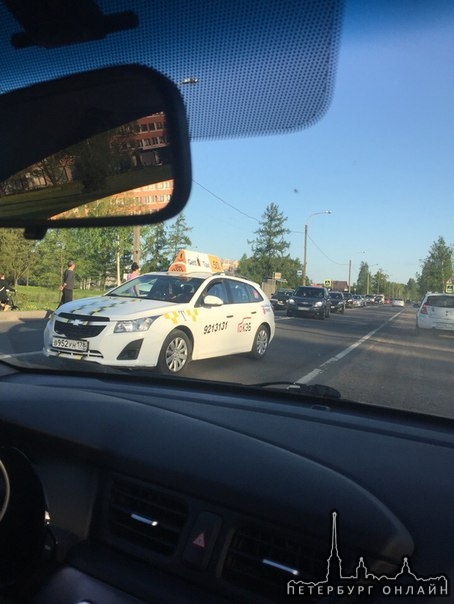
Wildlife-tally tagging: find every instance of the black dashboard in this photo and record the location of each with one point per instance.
(187, 492)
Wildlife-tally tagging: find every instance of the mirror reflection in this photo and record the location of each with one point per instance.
(83, 180)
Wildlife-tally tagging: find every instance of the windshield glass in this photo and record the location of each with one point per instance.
(309, 292)
(440, 301)
(372, 170)
(158, 287)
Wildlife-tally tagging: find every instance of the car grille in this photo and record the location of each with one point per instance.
(79, 326)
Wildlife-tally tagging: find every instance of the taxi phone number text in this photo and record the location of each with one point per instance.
(214, 327)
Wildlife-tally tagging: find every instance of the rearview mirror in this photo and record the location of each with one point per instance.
(103, 148)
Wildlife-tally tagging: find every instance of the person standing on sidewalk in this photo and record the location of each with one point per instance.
(3, 293)
(67, 284)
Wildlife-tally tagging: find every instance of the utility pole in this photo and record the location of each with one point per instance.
(136, 244)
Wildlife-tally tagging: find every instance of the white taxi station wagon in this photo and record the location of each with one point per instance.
(166, 319)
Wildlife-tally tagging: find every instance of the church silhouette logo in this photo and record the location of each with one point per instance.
(362, 582)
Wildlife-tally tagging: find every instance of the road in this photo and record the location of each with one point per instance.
(369, 355)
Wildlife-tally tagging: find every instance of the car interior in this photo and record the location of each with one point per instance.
(126, 487)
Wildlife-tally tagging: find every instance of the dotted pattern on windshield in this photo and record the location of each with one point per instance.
(244, 75)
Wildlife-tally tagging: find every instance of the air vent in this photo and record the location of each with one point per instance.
(146, 516)
(263, 560)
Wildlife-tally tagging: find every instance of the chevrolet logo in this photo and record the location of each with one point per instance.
(76, 322)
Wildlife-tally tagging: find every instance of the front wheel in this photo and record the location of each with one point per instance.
(261, 342)
(175, 353)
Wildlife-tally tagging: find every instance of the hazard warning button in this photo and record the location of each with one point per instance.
(202, 539)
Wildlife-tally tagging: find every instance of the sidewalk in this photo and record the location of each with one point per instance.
(17, 315)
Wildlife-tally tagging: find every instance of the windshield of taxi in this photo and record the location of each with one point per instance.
(357, 200)
(177, 289)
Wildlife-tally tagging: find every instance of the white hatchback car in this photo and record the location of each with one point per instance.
(398, 302)
(165, 320)
(436, 312)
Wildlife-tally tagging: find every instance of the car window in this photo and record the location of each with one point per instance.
(218, 289)
(309, 293)
(440, 301)
(242, 293)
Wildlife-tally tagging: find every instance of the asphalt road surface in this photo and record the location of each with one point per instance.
(370, 355)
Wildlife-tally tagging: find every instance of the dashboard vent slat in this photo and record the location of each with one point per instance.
(261, 560)
(146, 517)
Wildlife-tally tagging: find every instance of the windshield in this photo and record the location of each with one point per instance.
(158, 287)
(372, 169)
(440, 301)
(309, 292)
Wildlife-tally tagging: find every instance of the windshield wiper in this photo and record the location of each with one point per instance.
(319, 390)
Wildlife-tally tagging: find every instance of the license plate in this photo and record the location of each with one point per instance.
(65, 344)
(303, 308)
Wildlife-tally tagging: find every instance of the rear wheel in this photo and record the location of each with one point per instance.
(175, 353)
(261, 342)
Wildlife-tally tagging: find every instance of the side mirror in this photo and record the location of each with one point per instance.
(108, 147)
(212, 301)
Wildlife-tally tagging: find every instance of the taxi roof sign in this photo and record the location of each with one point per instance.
(188, 261)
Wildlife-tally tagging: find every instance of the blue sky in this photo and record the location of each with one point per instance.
(381, 159)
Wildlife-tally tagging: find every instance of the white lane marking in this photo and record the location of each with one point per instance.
(306, 379)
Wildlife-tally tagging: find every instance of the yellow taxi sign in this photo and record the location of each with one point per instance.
(188, 261)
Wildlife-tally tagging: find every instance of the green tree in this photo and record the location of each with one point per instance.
(102, 254)
(98, 254)
(155, 248)
(52, 255)
(411, 290)
(17, 255)
(270, 246)
(250, 268)
(178, 236)
(436, 268)
(378, 282)
(363, 278)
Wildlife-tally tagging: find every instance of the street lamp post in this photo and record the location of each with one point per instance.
(305, 241)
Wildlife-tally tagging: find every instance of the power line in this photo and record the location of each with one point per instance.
(225, 202)
(257, 220)
(327, 257)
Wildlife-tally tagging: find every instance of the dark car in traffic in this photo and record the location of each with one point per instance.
(279, 298)
(310, 301)
(337, 301)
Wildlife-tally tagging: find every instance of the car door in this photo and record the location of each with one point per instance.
(247, 311)
(215, 328)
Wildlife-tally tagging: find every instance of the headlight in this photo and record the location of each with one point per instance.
(290, 301)
(134, 325)
(319, 303)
